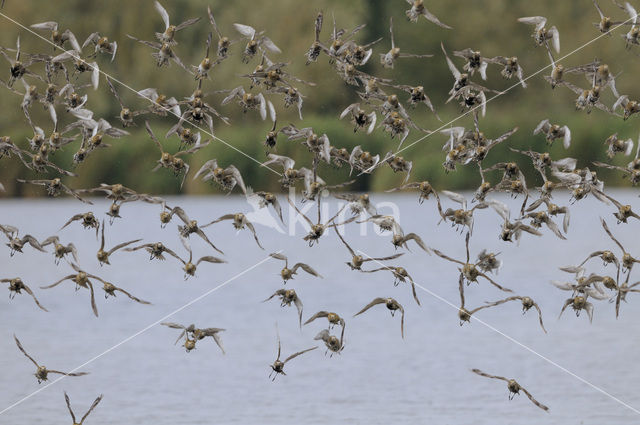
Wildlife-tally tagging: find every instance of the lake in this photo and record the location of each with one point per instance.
(378, 378)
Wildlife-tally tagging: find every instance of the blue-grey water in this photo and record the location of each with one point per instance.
(378, 378)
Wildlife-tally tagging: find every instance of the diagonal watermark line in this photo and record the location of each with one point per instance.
(140, 332)
(442, 127)
(73, 54)
(529, 349)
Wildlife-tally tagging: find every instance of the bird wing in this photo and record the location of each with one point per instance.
(307, 268)
(377, 270)
(51, 240)
(353, 253)
(136, 299)
(245, 30)
(533, 400)
(173, 325)
(298, 302)
(200, 233)
(539, 316)
(30, 292)
(270, 45)
(75, 194)
(299, 212)
(495, 303)
(93, 406)
(401, 320)
(23, 351)
(452, 67)
(278, 292)
(213, 22)
(122, 245)
(93, 299)
(486, 375)
(219, 219)
(293, 356)
(391, 257)
(461, 289)
(72, 219)
(417, 240)
(67, 374)
(218, 341)
(598, 9)
(371, 304)
(456, 197)
(554, 228)
(493, 282)
(66, 398)
(114, 92)
(278, 256)
(211, 259)
(446, 257)
(322, 335)
(315, 316)
(163, 13)
(153, 136)
(538, 21)
(278, 208)
(413, 289)
(187, 23)
(433, 18)
(238, 177)
(606, 229)
(33, 242)
(71, 276)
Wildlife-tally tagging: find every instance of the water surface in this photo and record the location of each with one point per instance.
(378, 378)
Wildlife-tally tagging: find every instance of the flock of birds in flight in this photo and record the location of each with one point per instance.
(59, 87)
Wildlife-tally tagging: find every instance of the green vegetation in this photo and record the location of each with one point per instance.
(490, 26)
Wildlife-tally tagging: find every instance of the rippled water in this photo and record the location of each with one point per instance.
(379, 378)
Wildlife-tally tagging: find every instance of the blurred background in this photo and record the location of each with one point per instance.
(487, 25)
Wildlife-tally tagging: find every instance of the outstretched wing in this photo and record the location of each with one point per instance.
(315, 316)
(163, 13)
(606, 229)
(93, 406)
(533, 400)
(493, 282)
(446, 257)
(255, 234)
(371, 304)
(211, 259)
(136, 299)
(307, 268)
(391, 257)
(506, 300)
(353, 253)
(71, 276)
(298, 302)
(486, 375)
(30, 292)
(67, 374)
(122, 245)
(93, 299)
(173, 325)
(218, 341)
(539, 316)
(293, 356)
(452, 67)
(72, 219)
(66, 398)
(23, 351)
